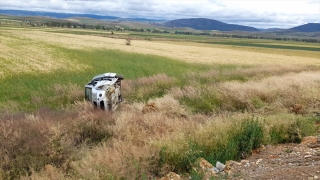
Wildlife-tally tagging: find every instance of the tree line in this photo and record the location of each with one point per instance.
(68, 24)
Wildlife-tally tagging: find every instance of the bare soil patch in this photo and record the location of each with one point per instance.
(283, 161)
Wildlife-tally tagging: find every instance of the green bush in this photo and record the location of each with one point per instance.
(294, 132)
(249, 137)
(241, 141)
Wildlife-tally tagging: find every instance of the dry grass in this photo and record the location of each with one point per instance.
(19, 54)
(142, 88)
(62, 91)
(132, 151)
(282, 88)
(193, 54)
(278, 91)
(284, 52)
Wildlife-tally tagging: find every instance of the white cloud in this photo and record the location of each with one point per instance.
(256, 13)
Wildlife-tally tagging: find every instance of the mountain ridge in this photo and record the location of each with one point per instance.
(208, 24)
(309, 27)
(194, 23)
(70, 15)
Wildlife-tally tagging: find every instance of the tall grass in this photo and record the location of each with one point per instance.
(278, 92)
(79, 142)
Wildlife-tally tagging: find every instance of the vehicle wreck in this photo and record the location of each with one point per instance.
(104, 91)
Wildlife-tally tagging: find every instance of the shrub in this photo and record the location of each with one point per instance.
(249, 137)
(128, 41)
(239, 144)
(292, 132)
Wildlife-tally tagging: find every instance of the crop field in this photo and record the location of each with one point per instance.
(205, 55)
(217, 101)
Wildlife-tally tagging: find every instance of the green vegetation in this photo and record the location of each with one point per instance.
(241, 140)
(250, 44)
(31, 86)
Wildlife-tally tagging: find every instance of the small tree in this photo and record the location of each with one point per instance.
(128, 41)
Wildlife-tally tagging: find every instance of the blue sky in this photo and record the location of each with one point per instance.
(256, 13)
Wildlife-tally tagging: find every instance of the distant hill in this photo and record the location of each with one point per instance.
(270, 29)
(208, 24)
(310, 27)
(70, 15)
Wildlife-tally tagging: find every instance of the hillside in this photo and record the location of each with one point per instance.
(310, 27)
(70, 15)
(208, 24)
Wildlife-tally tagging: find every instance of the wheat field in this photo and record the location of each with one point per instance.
(37, 56)
(19, 54)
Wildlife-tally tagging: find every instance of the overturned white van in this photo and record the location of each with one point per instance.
(104, 91)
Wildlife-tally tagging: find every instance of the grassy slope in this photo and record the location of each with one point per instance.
(30, 86)
(26, 86)
(171, 139)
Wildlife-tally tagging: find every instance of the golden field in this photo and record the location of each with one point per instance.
(27, 55)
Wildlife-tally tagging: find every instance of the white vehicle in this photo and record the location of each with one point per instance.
(104, 91)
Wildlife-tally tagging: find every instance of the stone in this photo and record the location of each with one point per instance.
(216, 170)
(210, 173)
(313, 145)
(244, 161)
(204, 167)
(258, 161)
(171, 176)
(230, 164)
(220, 166)
(307, 156)
(204, 164)
(256, 151)
(309, 140)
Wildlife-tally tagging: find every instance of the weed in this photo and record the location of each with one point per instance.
(241, 141)
(128, 41)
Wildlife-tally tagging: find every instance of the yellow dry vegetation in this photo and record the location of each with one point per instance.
(291, 44)
(19, 54)
(28, 50)
(193, 54)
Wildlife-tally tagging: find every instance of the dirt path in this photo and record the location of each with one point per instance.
(284, 161)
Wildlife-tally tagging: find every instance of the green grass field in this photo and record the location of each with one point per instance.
(132, 66)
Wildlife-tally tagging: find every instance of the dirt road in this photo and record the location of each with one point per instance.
(284, 161)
